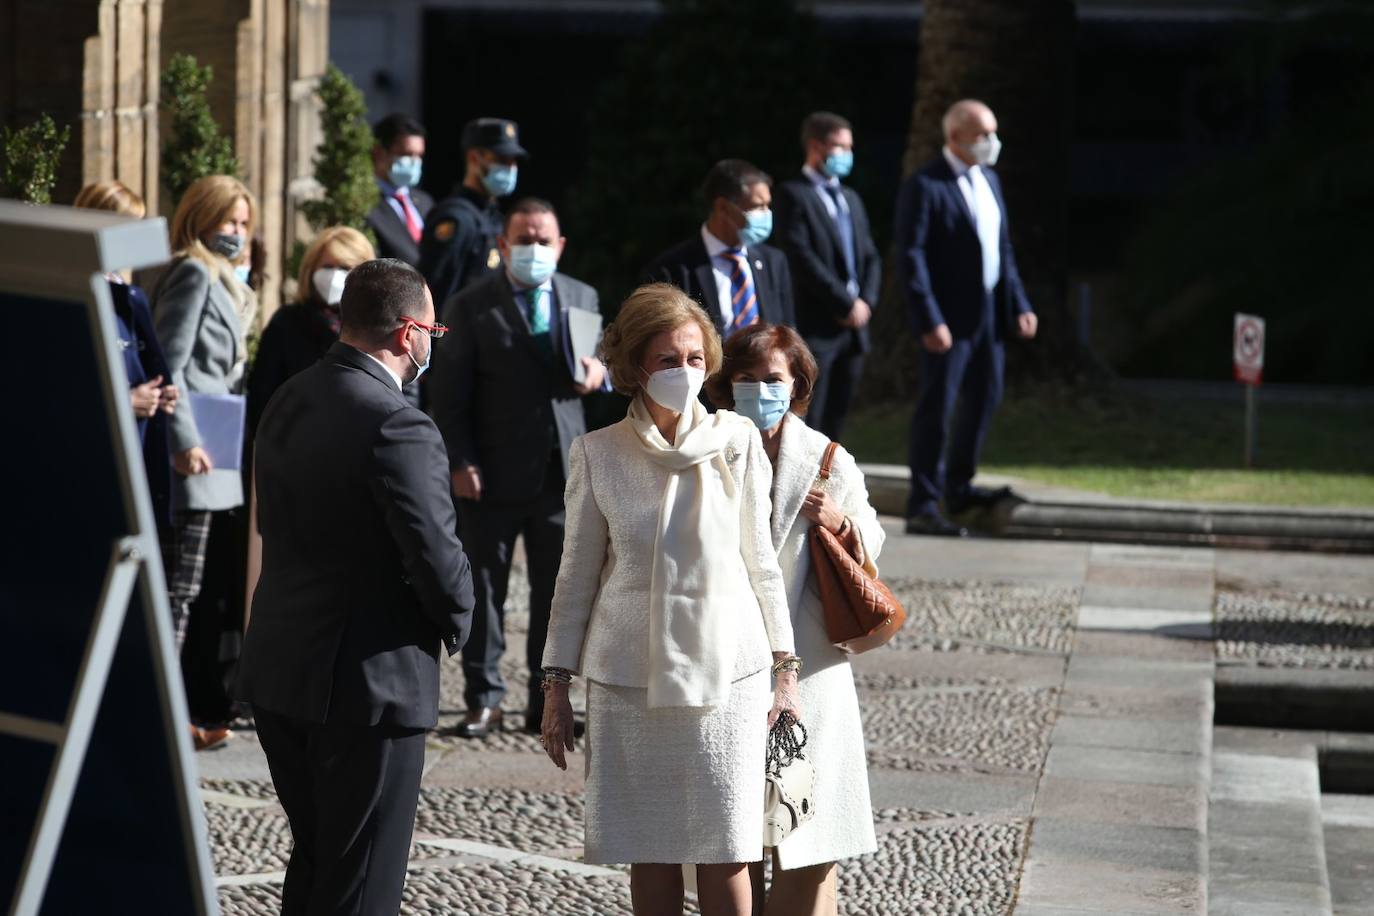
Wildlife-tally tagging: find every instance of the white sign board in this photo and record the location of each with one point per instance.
(1248, 348)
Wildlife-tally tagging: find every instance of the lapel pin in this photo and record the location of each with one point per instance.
(758, 265)
(731, 454)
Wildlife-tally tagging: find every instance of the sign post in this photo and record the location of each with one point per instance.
(1248, 363)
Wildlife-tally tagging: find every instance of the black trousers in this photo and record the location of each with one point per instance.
(350, 793)
(840, 361)
(488, 531)
(972, 374)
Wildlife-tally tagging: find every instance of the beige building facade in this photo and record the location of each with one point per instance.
(96, 65)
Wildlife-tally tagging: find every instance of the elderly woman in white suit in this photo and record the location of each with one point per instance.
(768, 376)
(670, 601)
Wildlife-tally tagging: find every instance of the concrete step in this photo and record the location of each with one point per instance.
(1348, 823)
(1266, 846)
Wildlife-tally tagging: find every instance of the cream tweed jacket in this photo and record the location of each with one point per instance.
(599, 622)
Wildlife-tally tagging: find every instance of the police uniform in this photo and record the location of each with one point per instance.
(459, 241)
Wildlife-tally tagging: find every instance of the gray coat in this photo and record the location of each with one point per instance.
(198, 325)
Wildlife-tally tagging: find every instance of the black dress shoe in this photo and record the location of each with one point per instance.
(479, 723)
(934, 525)
(977, 498)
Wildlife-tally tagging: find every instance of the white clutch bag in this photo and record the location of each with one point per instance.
(789, 782)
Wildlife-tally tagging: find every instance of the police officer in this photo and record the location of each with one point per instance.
(459, 241)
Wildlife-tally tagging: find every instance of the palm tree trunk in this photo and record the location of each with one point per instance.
(1016, 56)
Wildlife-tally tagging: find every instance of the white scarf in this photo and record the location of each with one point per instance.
(692, 630)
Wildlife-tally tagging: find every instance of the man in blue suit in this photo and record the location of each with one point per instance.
(964, 294)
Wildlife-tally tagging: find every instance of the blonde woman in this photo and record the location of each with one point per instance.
(202, 313)
(670, 602)
(300, 332)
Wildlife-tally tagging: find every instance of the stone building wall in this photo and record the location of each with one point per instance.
(95, 65)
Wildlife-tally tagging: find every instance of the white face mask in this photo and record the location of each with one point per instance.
(329, 283)
(675, 389)
(986, 150)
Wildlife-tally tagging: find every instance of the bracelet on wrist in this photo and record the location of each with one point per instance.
(554, 676)
(789, 663)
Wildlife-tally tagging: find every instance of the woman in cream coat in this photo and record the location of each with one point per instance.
(670, 601)
(768, 376)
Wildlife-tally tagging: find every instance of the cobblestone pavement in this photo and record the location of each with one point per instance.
(937, 702)
(1278, 629)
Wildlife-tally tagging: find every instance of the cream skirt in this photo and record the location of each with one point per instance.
(678, 785)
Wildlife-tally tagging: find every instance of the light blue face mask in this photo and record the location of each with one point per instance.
(500, 179)
(405, 171)
(243, 272)
(758, 225)
(533, 264)
(765, 403)
(421, 369)
(839, 163)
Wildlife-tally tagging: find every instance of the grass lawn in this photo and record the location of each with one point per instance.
(1127, 444)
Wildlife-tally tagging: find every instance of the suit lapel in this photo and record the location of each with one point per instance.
(706, 281)
(228, 311)
(799, 458)
(820, 212)
(763, 283)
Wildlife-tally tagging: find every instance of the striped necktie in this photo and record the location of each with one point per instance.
(742, 298)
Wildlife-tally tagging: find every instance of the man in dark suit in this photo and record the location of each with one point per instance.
(459, 243)
(823, 228)
(506, 401)
(398, 220)
(726, 267)
(961, 285)
(362, 580)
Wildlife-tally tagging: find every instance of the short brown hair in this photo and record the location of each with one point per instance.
(819, 125)
(111, 195)
(377, 295)
(750, 347)
(648, 312)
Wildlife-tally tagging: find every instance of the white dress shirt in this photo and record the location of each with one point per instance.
(723, 267)
(987, 215)
(394, 377)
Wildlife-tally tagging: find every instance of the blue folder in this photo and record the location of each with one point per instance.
(220, 419)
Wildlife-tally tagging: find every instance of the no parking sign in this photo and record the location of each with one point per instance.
(1248, 348)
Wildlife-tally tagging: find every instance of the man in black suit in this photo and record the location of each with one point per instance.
(823, 228)
(506, 401)
(964, 293)
(398, 220)
(362, 580)
(726, 267)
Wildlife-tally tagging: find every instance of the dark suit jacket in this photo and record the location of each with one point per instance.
(295, 338)
(807, 234)
(940, 261)
(500, 405)
(393, 238)
(688, 267)
(362, 575)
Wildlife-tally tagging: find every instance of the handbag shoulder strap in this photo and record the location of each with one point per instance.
(828, 459)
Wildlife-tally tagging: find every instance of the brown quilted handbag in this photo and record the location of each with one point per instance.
(861, 613)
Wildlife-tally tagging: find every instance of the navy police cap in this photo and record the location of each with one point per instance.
(499, 135)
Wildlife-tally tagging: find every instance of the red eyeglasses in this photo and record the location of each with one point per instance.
(435, 331)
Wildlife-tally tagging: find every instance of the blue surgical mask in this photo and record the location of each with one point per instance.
(766, 403)
(758, 226)
(405, 171)
(500, 179)
(532, 264)
(839, 163)
(243, 272)
(230, 247)
(421, 368)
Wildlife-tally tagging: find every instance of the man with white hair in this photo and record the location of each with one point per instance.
(964, 295)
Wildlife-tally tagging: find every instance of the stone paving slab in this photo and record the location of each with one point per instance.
(1112, 889)
(1139, 767)
(1116, 802)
